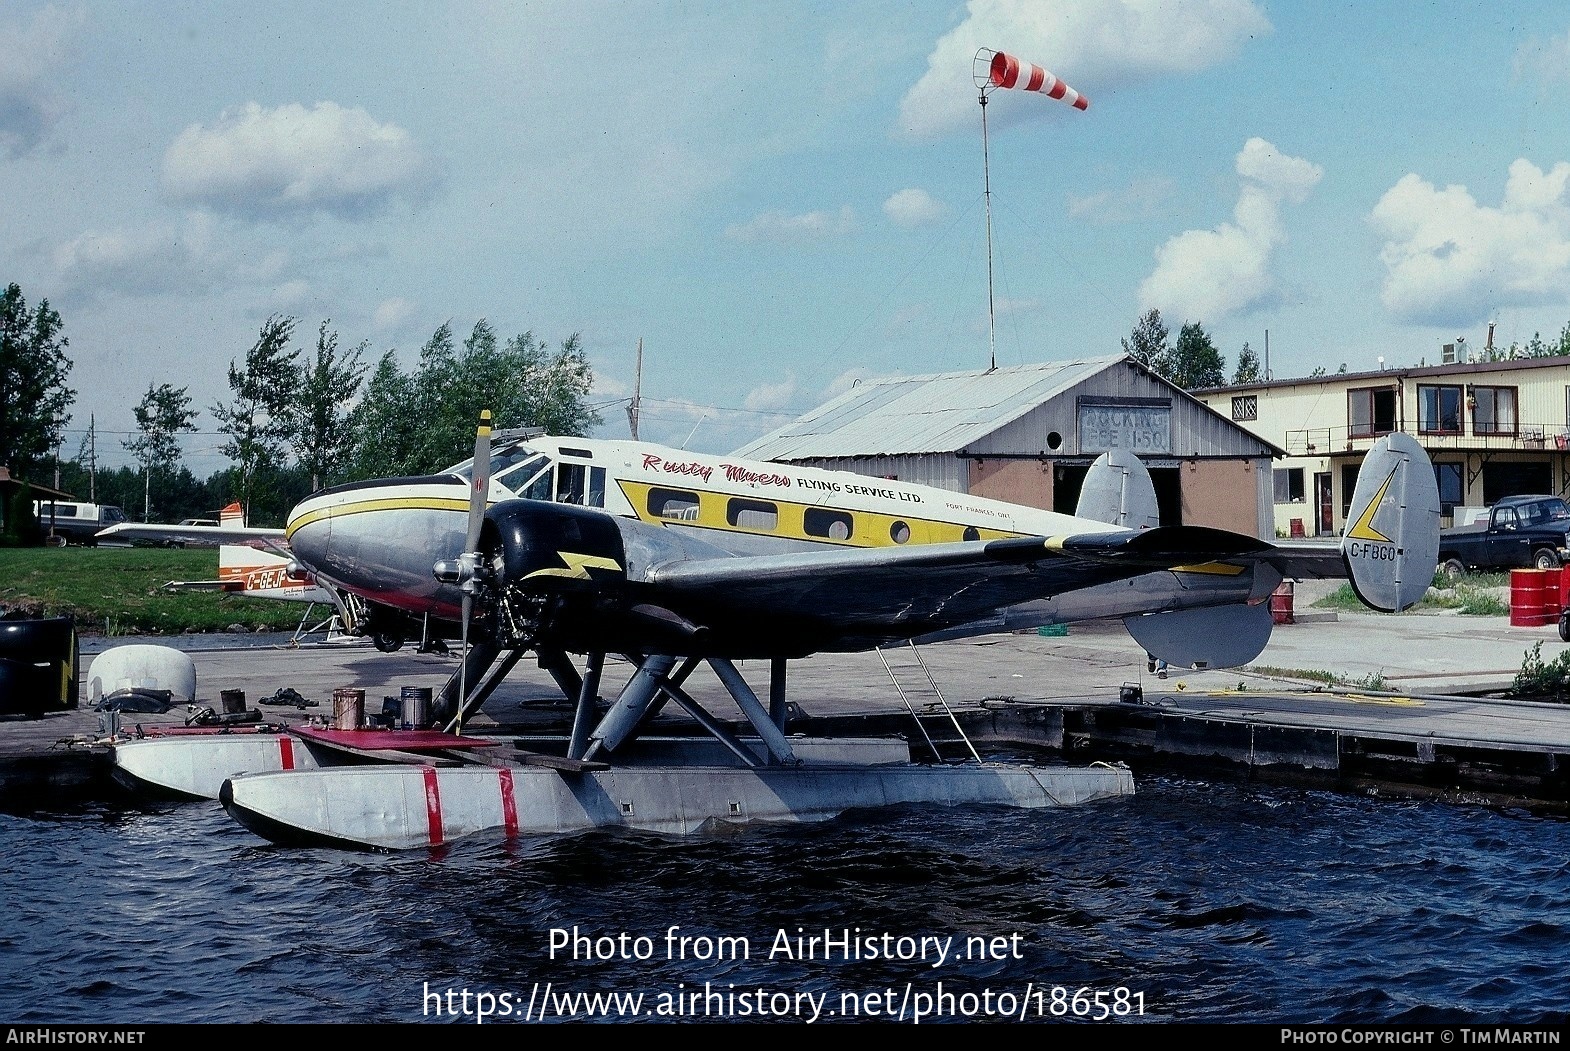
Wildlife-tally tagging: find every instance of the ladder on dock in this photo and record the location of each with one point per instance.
(923, 690)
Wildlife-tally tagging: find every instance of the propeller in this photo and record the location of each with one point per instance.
(465, 571)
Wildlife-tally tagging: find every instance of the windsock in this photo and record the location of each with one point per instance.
(1009, 72)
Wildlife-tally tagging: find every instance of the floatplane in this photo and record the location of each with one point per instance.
(563, 546)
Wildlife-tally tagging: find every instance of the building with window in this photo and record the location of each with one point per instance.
(1491, 428)
(1028, 434)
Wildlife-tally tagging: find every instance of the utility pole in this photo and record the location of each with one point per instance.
(637, 395)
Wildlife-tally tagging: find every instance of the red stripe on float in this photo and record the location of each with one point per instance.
(433, 806)
(509, 802)
(286, 751)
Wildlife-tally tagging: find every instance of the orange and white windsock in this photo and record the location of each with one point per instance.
(1007, 71)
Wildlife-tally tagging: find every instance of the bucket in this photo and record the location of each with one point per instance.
(1533, 597)
(416, 707)
(1281, 604)
(348, 708)
(233, 701)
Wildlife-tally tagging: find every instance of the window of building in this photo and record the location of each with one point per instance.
(1371, 411)
(673, 503)
(1448, 477)
(831, 525)
(1494, 410)
(1439, 410)
(1289, 485)
(752, 514)
(1245, 407)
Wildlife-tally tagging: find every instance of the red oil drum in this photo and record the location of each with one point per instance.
(1281, 604)
(1533, 597)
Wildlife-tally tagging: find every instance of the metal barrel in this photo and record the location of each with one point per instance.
(416, 701)
(348, 708)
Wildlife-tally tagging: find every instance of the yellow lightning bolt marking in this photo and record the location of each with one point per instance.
(1363, 528)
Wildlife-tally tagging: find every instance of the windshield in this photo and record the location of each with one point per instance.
(516, 467)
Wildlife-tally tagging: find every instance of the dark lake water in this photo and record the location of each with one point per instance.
(1191, 901)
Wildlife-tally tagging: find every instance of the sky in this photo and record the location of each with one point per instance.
(777, 199)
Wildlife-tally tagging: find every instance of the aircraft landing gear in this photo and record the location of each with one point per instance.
(387, 641)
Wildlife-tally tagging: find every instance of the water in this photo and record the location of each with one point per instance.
(1200, 901)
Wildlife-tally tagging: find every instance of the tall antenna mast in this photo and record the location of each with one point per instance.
(637, 395)
(990, 70)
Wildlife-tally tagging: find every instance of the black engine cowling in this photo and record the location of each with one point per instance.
(550, 547)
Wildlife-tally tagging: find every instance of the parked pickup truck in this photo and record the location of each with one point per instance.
(1519, 531)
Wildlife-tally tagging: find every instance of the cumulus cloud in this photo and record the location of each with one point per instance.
(782, 228)
(771, 397)
(147, 260)
(31, 61)
(912, 207)
(1544, 61)
(1210, 274)
(1140, 199)
(257, 161)
(1450, 260)
(390, 313)
(1094, 45)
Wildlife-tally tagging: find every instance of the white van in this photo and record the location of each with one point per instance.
(73, 522)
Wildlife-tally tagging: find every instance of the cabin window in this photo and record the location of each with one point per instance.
(673, 503)
(571, 483)
(899, 532)
(971, 533)
(1289, 485)
(1439, 410)
(596, 487)
(1371, 411)
(1494, 410)
(752, 514)
(831, 525)
(1245, 407)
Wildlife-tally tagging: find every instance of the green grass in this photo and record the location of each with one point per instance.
(1372, 681)
(1471, 598)
(119, 591)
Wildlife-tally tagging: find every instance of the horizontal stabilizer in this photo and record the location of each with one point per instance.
(1207, 637)
(1118, 490)
(1391, 543)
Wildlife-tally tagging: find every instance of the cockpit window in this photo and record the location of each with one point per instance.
(518, 468)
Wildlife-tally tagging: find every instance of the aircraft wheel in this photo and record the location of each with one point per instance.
(387, 641)
(1545, 558)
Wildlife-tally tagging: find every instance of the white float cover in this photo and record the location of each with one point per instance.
(143, 667)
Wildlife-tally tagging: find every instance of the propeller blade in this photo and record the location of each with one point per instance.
(479, 491)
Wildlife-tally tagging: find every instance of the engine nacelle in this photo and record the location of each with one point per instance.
(541, 546)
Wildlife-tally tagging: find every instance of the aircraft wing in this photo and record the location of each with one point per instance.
(270, 540)
(941, 585)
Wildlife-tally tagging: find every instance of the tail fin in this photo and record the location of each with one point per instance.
(232, 516)
(1118, 490)
(1391, 543)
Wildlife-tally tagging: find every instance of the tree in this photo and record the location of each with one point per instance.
(321, 433)
(33, 392)
(1148, 342)
(1196, 363)
(419, 423)
(383, 427)
(257, 420)
(1248, 370)
(163, 412)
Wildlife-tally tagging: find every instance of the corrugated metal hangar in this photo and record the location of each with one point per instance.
(1027, 434)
